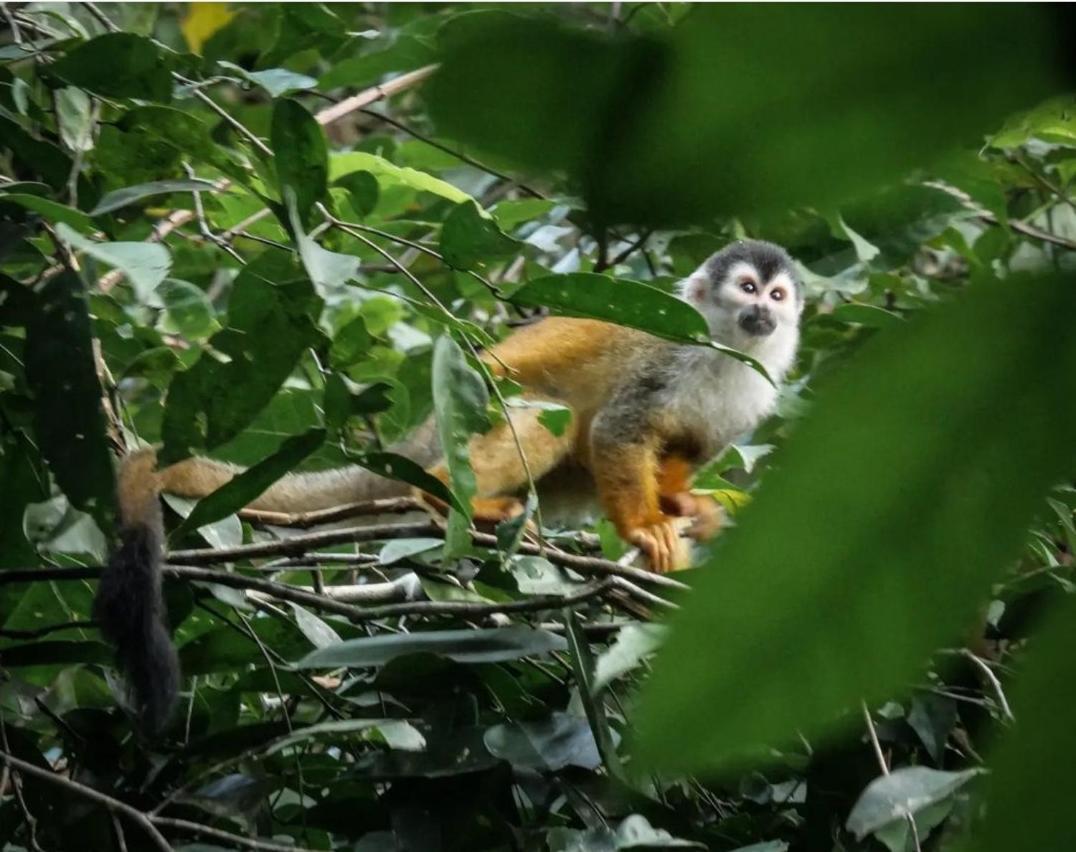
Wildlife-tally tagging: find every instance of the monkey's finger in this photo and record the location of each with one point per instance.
(646, 542)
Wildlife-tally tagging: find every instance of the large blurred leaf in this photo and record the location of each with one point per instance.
(897, 503)
(270, 324)
(743, 109)
(68, 420)
(459, 400)
(1028, 806)
(463, 646)
(119, 65)
(302, 161)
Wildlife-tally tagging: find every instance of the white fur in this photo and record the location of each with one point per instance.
(720, 396)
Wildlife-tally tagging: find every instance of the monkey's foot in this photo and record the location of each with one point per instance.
(487, 512)
(662, 545)
(705, 513)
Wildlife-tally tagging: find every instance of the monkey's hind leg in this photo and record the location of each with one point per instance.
(498, 469)
(627, 477)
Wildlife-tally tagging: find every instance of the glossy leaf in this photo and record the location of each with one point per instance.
(620, 301)
(463, 646)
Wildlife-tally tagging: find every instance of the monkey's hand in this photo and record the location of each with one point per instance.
(661, 543)
(705, 513)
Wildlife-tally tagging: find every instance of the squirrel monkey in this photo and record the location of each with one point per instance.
(645, 413)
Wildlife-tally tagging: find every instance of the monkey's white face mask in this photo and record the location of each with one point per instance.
(744, 308)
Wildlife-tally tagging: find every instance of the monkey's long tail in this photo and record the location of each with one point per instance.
(129, 607)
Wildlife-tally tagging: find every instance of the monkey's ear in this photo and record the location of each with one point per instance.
(695, 288)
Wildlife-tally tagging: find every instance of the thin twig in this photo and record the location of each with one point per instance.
(318, 517)
(884, 766)
(374, 94)
(985, 215)
(113, 805)
(459, 155)
(199, 830)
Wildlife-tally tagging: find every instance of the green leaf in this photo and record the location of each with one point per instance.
(363, 190)
(632, 643)
(548, 745)
(1027, 803)
(301, 158)
(389, 174)
(469, 237)
(117, 65)
(130, 194)
(244, 488)
(463, 646)
(620, 301)
(903, 793)
(187, 310)
(918, 434)
(320, 634)
(51, 210)
(145, 264)
(538, 576)
(351, 343)
(276, 81)
(624, 302)
(397, 733)
(593, 704)
(634, 121)
(270, 324)
(401, 548)
(68, 422)
(459, 402)
(73, 108)
(328, 270)
(403, 469)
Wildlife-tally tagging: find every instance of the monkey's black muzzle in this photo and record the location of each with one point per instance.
(757, 320)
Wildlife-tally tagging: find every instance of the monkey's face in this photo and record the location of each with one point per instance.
(747, 292)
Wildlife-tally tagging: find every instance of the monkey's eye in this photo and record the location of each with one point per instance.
(777, 294)
(748, 286)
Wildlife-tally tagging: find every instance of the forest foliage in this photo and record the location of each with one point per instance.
(279, 235)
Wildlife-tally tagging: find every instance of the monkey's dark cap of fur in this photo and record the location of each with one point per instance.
(768, 258)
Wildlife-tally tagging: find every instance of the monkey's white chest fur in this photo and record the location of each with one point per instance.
(718, 398)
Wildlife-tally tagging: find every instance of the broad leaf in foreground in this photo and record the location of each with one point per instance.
(1030, 788)
(894, 507)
